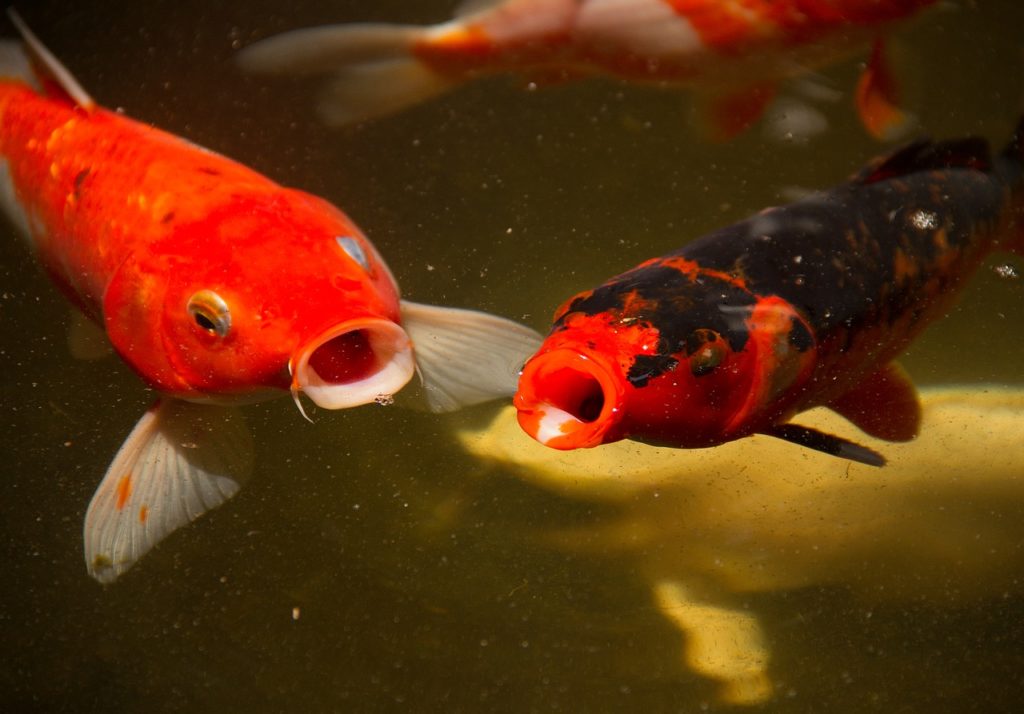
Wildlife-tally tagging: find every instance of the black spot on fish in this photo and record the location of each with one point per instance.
(799, 337)
(79, 180)
(208, 171)
(672, 302)
(168, 217)
(647, 367)
(677, 304)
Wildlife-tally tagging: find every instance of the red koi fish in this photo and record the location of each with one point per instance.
(216, 285)
(734, 52)
(801, 306)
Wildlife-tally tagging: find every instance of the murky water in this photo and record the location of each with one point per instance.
(372, 564)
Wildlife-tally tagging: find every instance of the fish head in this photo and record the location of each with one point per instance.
(663, 356)
(286, 294)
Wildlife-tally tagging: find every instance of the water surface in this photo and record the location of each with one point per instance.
(373, 565)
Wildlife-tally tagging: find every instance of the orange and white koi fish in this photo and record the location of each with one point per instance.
(734, 52)
(216, 285)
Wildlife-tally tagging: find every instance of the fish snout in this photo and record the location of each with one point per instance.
(568, 399)
(354, 363)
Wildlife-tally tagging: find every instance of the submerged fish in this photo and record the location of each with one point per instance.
(734, 53)
(216, 285)
(799, 306)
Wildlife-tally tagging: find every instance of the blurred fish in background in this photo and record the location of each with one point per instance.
(732, 54)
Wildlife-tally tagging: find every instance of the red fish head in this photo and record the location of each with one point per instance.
(665, 359)
(598, 381)
(262, 295)
(572, 393)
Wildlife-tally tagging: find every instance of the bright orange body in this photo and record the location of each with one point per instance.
(133, 223)
(216, 285)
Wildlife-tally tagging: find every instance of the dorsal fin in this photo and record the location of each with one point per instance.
(926, 155)
(48, 67)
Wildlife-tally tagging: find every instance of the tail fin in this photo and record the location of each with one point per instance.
(318, 50)
(371, 66)
(378, 89)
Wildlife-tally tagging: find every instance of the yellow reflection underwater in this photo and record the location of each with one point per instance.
(938, 525)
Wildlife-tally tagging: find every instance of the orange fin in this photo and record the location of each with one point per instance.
(885, 405)
(878, 97)
(727, 114)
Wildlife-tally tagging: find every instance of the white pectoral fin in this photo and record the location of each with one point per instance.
(466, 357)
(328, 48)
(180, 460)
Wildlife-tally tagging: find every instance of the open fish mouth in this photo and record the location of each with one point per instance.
(354, 363)
(568, 399)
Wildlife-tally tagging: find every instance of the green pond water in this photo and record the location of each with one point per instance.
(372, 564)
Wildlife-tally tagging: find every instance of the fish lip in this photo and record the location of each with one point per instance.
(391, 365)
(570, 398)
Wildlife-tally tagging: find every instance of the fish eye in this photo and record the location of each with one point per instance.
(706, 350)
(210, 313)
(354, 251)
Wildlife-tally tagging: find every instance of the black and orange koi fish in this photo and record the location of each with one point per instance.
(800, 306)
